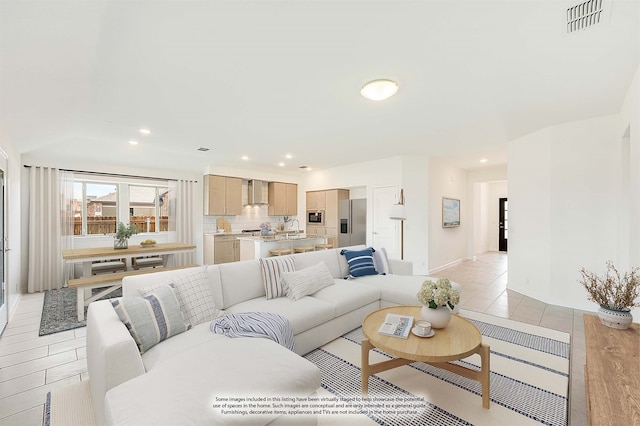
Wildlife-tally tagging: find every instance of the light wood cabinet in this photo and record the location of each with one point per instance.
(226, 249)
(283, 199)
(222, 195)
(316, 200)
(331, 211)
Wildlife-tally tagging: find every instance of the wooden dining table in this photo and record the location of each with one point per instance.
(88, 255)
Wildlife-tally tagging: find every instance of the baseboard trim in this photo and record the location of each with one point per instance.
(445, 266)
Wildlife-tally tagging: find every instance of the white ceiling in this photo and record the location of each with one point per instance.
(266, 78)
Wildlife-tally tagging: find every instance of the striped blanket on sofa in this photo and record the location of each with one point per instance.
(255, 324)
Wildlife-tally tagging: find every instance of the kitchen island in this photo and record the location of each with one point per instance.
(255, 247)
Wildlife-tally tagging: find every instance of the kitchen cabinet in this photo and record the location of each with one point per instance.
(316, 200)
(222, 195)
(283, 199)
(226, 249)
(331, 210)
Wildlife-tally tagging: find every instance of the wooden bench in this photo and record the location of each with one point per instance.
(113, 281)
(612, 373)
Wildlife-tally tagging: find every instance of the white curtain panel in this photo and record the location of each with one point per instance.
(181, 221)
(45, 245)
(66, 218)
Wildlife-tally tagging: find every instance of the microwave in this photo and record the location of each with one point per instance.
(315, 217)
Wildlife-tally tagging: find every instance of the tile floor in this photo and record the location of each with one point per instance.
(30, 366)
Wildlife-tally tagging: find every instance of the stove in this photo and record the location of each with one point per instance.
(253, 232)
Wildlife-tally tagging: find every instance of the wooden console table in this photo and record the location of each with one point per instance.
(612, 373)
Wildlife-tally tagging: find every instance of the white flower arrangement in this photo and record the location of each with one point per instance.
(438, 294)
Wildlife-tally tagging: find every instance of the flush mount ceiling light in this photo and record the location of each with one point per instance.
(379, 90)
(144, 131)
(132, 142)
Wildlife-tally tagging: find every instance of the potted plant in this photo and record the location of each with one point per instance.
(615, 294)
(438, 299)
(123, 233)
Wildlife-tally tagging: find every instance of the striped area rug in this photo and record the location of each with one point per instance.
(529, 381)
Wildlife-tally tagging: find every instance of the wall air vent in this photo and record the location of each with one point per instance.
(584, 15)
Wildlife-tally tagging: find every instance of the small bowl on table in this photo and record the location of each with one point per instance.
(143, 244)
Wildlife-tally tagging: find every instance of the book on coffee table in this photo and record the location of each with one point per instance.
(396, 325)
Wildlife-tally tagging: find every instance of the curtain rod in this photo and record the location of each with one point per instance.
(115, 174)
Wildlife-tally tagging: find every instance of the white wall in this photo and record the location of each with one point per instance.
(447, 245)
(563, 208)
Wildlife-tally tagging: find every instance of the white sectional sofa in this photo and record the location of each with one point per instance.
(178, 380)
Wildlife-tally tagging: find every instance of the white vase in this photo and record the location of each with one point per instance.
(439, 317)
(614, 318)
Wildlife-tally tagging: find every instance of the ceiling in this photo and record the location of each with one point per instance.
(269, 78)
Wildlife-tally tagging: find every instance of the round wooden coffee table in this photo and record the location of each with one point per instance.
(458, 340)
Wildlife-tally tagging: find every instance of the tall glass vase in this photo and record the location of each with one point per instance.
(120, 244)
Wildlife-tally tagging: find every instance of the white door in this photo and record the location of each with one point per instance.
(4, 312)
(386, 232)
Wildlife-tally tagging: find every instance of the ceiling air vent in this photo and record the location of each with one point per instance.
(584, 15)
(203, 149)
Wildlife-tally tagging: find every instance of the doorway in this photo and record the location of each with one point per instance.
(4, 311)
(385, 231)
(503, 231)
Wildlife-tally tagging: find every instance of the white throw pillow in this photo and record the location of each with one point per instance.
(380, 261)
(307, 281)
(195, 295)
(272, 270)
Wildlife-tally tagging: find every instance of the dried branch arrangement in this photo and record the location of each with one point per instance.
(612, 291)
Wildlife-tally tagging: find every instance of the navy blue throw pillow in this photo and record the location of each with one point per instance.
(360, 262)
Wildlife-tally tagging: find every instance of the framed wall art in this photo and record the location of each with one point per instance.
(450, 212)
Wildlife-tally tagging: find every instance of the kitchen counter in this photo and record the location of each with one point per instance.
(256, 247)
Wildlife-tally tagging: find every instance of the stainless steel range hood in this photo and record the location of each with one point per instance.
(256, 192)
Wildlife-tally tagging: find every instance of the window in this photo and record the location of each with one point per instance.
(148, 208)
(98, 207)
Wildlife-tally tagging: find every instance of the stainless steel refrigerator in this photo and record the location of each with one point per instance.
(352, 222)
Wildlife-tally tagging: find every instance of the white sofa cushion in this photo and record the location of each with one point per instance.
(273, 269)
(329, 257)
(184, 390)
(348, 295)
(307, 281)
(241, 281)
(198, 335)
(152, 318)
(303, 314)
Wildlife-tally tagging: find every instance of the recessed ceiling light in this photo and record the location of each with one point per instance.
(483, 160)
(379, 90)
(133, 142)
(281, 164)
(244, 157)
(145, 131)
(289, 156)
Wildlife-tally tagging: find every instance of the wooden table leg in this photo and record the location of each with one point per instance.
(366, 347)
(485, 374)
